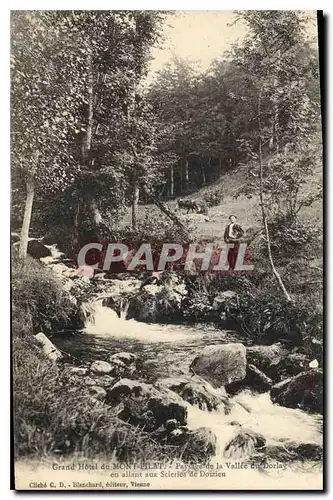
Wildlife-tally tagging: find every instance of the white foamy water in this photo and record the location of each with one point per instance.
(103, 321)
(256, 412)
(178, 345)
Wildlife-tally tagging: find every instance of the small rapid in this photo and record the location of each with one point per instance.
(171, 349)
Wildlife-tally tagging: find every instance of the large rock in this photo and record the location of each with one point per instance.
(290, 452)
(101, 368)
(126, 357)
(197, 445)
(276, 361)
(221, 364)
(146, 406)
(49, 349)
(123, 364)
(97, 392)
(104, 381)
(223, 300)
(158, 300)
(264, 356)
(77, 370)
(197, 392)
(127, 387)
(255, 380)
(304, 391)
(37, 250)
(244, 443)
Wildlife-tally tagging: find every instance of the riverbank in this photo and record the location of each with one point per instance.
(103, 398)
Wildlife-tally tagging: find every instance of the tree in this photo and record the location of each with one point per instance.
(71, 94)
(42, 115)
(275, 57)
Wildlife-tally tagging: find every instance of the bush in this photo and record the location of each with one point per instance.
(38, 298)
(292, 238)
(152, 229)
(213, 198)
(261, 313)
(53, 416)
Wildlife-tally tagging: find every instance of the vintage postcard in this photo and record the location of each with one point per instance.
(166, 238)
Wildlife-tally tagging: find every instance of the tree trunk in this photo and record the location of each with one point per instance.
(95, 213)
(274, 141)
(164, 208)
(172, 182)
(220, 166)
(203, 175)
(157, 202)
(87, 140)
(27, 219)
(135, 204)
(263, 211)
(186, 174)
(75, 232)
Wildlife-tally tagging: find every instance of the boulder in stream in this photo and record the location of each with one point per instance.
(244, 443)
(97, 392)
(49, 349)
(101, 367)
(198, 444)
(197, 392)
(37, 250)
(126, 357)
(221, 364)
(276, 361)
(289, 452)
(144, 405)
(304, 391)
(77, 370)
(123, 364)
(255, 380)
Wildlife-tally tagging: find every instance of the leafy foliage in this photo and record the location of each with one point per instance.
(39, 298)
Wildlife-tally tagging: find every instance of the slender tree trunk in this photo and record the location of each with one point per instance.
(87, 140)
(76, 232)
(157, 202)
(172, 181)
(27, 218)
(135, 204)
(96, 215)
(263, 210)
(274, 141)
(203, 175)
(220, 166)
(186, 174)
(164, 208)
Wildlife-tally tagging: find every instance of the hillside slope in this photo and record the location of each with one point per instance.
(247, 210)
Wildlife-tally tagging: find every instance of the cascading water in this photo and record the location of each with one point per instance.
(103, 321)
(255, 412)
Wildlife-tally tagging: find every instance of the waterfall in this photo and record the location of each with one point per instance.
(104, 321)
(97, 317)
(256, 412)
(55, 252)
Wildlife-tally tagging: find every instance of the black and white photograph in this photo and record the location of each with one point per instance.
(166, 237)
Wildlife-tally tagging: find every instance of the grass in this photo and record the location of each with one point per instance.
(55, 415)
(246, 209)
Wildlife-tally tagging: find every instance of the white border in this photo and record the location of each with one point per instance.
(4, 183)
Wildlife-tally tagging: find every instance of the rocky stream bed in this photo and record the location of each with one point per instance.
(189, 384)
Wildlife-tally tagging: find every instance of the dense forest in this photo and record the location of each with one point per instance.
(89, 136)
(101, 151)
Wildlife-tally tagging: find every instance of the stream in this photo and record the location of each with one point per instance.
(167, 350)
